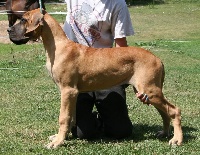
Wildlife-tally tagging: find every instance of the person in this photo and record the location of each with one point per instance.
(100, 24)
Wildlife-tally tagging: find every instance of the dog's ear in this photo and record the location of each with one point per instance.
(34, 22)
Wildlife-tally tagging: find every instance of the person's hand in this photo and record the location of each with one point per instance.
(143, 98)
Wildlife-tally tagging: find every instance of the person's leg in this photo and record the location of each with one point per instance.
(111, 104)
(86, 122)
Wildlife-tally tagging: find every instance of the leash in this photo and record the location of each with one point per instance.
(81, 33)
(40, 4)
(76, 25)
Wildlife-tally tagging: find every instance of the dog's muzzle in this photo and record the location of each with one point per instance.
(16, 36)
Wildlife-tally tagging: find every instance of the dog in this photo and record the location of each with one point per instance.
(77, 68)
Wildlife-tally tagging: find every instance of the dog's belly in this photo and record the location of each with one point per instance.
(102, 81)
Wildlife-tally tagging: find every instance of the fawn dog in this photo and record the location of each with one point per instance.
(77, 68)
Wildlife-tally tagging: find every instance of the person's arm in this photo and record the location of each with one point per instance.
(121, 42)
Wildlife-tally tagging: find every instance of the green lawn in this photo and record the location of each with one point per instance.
(29, 102)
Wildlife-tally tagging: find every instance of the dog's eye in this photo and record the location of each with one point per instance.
(23, 20)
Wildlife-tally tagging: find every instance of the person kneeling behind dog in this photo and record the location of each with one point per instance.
(99, 24)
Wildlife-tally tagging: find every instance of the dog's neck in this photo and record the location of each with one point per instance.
(51, 36)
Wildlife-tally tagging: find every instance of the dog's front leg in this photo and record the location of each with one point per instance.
(67, 111)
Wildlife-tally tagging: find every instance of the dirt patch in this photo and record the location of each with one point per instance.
(4, 38)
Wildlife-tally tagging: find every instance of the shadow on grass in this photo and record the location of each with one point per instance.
(143, 132)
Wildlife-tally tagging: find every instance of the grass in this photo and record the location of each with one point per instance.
(169, 22)
(29, 102)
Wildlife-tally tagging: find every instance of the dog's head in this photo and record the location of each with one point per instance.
(29, 28)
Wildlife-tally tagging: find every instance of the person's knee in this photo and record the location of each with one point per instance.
(86, 133)
(88, 128)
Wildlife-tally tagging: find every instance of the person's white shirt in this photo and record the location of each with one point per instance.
(97, 23)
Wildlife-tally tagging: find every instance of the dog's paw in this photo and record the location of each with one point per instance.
(162, 134)
(52, 137)
(56, 142)
(175, 141)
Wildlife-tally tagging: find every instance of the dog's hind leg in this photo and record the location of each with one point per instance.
(149, 80)
(167, 111)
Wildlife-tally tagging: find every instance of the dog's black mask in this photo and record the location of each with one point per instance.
(17, 33)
